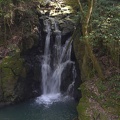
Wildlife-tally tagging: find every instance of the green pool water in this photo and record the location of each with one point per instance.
(32, 110)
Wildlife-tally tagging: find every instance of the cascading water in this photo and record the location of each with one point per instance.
(46, 62)
(52, 68)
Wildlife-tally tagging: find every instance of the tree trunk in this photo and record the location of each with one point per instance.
(88, 48)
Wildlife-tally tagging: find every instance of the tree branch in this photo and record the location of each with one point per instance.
(90, 8)
(81, 8)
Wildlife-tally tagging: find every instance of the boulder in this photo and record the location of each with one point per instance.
(11, 69)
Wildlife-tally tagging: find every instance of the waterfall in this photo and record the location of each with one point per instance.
(45, 70)
(52, 68)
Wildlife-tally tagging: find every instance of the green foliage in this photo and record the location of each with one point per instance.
(101, 86)
(106, 18)
(105, 31)
(114, 84)
(109, 96)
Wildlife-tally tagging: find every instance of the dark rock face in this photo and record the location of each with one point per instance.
(77, 93)
(1, 94)
(67, 77)
(67, 27)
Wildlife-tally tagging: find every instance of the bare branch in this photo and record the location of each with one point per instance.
(90, 8)
(81, 8)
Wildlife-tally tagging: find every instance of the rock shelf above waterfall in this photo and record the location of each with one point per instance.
(54, 8)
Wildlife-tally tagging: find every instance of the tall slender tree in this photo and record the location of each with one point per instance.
(88, 52)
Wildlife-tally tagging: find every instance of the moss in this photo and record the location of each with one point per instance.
(12, 65)
(99, 116)
(109, 89)
(11, 68)
(105, 104)
(82, 109)
(83, 104)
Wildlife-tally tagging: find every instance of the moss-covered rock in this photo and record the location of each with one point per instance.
(83, 105)
(17, 81)
(11, 69)
(98, 101)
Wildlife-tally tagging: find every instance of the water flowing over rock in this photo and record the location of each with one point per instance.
(58, 71)
(52, 69)
(52, 63)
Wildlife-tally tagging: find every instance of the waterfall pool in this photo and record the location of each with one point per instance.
(62, 109)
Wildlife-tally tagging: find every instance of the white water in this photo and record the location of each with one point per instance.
(51, 76)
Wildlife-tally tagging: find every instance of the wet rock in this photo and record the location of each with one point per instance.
(66, 77)
(11, 69)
